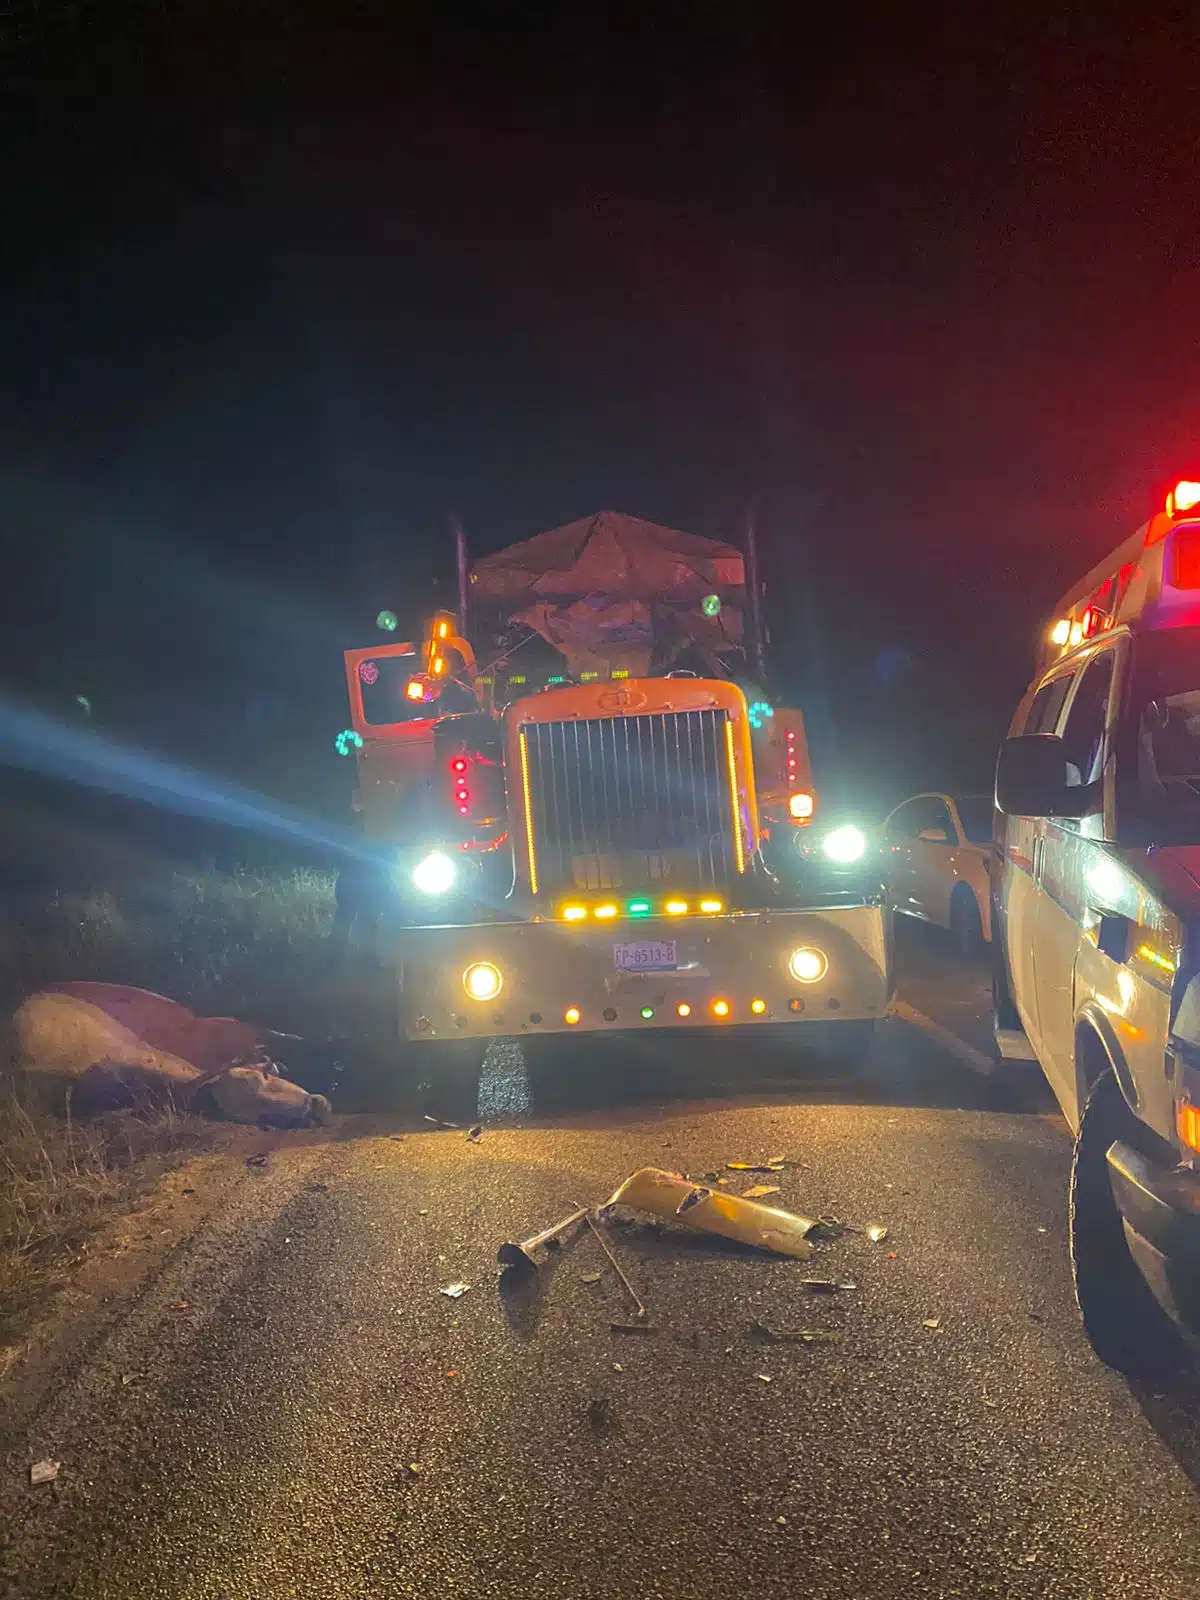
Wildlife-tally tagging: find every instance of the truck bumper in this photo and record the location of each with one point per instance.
(1160, 1208)
(559, 978)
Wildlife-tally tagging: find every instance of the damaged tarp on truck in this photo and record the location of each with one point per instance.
(611, 590)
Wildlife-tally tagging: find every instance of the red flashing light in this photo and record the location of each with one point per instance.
(1185, 559)
(1185, 496)
(458, 766)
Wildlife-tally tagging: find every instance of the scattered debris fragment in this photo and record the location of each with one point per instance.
(876, 1232)
(617, 1367)
(396, 1138)
(934, 1323)
(180, 1305)
(759, 1190)
(453, 1373)
(127, 1378)
(256, 1161)
(455, 1291)
(763, 1377)
(317, 1188)
(616, 1266)
(632, 1327)
(730, 1216)
(475, 1134)
(438, 1123)
(44, 1471)
(591, 1277)
(781, 1522)
(762, 1330)
(521, 1255)
(826, 1285)
(775, 1164)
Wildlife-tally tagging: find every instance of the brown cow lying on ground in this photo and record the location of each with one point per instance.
(109, 1044)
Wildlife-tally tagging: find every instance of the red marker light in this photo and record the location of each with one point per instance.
(458, 766)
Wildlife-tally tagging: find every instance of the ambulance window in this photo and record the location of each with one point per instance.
(1047, 705)
(1083, 736)
(904, 821)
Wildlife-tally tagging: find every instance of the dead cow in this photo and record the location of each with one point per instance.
(110, 1044)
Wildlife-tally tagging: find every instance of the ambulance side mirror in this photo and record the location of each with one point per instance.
(1033, 780)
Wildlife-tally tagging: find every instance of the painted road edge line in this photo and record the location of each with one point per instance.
(976, 1060)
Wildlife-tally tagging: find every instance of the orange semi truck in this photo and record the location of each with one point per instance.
(615, 835)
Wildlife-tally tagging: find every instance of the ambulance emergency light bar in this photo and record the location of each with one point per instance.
(1155, 575)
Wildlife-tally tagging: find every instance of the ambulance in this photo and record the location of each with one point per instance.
(1096, 918)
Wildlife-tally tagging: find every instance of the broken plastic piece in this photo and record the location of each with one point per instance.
(762, 1330)
(932, 1322)
(775, 1164)
(591, 1277)
(729, 1216)
(521, 1255)
(455, 1291)
(826, 1285)
(43, 1471)
(763, 1377)
(759, 1190)
(475, 1134)
(876, 1232)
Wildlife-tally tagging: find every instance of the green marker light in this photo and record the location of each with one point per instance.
(647, 1013)
(386, 620)
(638, 908)
(711, 605)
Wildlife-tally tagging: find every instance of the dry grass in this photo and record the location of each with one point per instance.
(60, 1179)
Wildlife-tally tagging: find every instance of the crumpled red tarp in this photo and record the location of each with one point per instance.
(612, 589)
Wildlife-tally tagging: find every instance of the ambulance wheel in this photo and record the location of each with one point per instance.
(446, 1076)
(1125, 1325)
(966, 924)
(1005, 1016)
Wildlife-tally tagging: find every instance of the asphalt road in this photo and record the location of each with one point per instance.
(286, 1404)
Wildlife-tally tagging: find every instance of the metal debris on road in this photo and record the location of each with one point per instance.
(475, 1134)
(616, 1265)
(763, 1330)
(617, 1367)
(521, 1255)
(729, 1216)
(438, 1123)
(763, 1377)
(759, 1190)
(44, 1471)
(876, 1232)
(775, 1164)
(127, 1378)
(934, 1323)
(256, 1161)
(455, 1291)
(826, 1285)
(590, 1277)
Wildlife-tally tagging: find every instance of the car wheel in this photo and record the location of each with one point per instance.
(965, 922)
(1125, 1324)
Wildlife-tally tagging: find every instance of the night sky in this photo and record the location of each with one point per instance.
(283, 286)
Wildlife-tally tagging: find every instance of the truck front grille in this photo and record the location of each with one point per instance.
(626, 802)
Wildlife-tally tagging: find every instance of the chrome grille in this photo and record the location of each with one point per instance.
(631, 802)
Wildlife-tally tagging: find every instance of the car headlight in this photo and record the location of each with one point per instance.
(434, 874)
(845, 845)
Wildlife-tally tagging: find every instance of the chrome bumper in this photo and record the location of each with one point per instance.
(550, 968)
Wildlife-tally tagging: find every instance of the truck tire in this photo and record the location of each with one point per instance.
(966, 923)
(1125, 1325)
(446, 1076)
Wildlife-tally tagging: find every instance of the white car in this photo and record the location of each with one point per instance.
(939, 854)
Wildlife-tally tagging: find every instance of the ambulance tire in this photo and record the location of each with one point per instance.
(966, 924)
(1005, 1015)
(1125, 1325)
(446, 1075)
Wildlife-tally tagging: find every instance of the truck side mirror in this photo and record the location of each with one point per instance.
(1032, 780)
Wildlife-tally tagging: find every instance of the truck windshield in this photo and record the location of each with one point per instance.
(1159, 784)
(384, 680)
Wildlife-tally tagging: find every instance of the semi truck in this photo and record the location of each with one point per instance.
(600, 821)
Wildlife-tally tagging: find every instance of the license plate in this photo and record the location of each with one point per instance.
(646, 955)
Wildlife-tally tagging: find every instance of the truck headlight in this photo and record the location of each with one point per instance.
(434, 873)
(845, 845)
